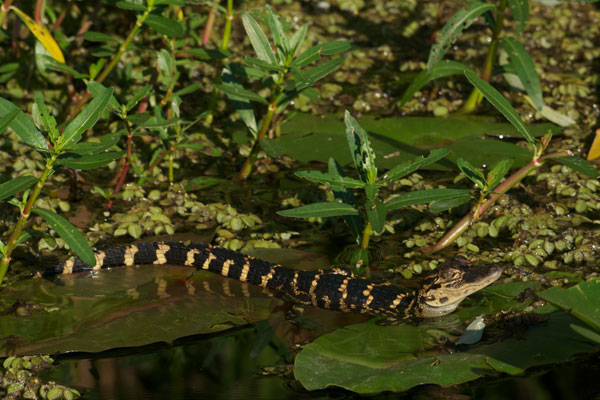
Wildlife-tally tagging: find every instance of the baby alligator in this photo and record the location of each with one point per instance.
(334, 289)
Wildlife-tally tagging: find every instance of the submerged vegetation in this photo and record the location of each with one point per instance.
(200, 121)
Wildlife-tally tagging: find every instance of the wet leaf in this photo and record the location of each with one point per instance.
(525, 69)
(424, 196)
(14, 186)
(446, 36)
(324, 209)
(69, 233)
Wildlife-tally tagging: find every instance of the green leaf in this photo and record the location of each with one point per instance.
(189, 89)
(89, 148)
(525, 69)
(446, 36)
(14, 186)
(520, 12)
(23, 126)
(48, 121)
(501, 104)
(203, 182)
(494, 177)
(474, 174)
(442, 69)
(239, 92)
(360, 149)
(322, 49)
(137, 96)
(257, 62)
(96, 89)
(86, 119)
(313, 74)
(580, 165)
(8, 118)
(89, 161)
(164, 26)
(581, 301)
(376, 211)
(99, 37)
(424, 196)
(279, 36)
(240, 104)
(326, 209)
(54, 65)
(128, 5)
(346, 196)
(70, 234)
(297, 39)
(207, 54)
(258, 39)
(202, 148)
(442, 205)
(409, 167)
(319, 177)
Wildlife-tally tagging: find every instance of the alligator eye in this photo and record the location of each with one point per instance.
(447, 274)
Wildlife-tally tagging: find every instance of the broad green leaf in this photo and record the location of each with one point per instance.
(525, 69)
(89, 148)
(99, 37)
(69, 234)
(409, 167)
(14, 186)
(322, 49)
(580, 165)
(446, 36)
(474, 174)
(424, 196)
(128, 5)
(326, 209)
(96, 89)
(442, 69)
(258, 39)
(360, 149)
(137, 96)
(239, 92)
(520, 12)
(582, 301)
(8, 118)
(88, 162)
(501, 104)
(438, 206)
(376, 211)
(315, 73)
(279, 36)
(164, 26)
(319, 177)
(42, 34)
(86, 119)
(494, 177)
(346, 196)
(23, 126)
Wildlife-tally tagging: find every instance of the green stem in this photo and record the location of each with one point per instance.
(247, 167)
(504, 187)
(108, 69)
(475, 97)
(364, 242)
(16, 233)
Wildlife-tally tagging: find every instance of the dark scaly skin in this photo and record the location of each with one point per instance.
(334, 289)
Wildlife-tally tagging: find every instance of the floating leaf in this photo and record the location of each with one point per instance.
(582, 301)
(501, 104)
(326, 209)
(525, 69)
(70, 234)
(42, 34)
(424, 196)
(258, 39)
(580, 165)
(446, 36)
(14, 186)
(88, 162)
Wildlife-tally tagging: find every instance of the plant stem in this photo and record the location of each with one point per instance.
(16, 233)
(364, 242)
(475, 97)
(505, 186)
(247, 167)
(108, 69)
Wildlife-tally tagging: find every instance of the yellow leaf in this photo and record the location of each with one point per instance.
(42, 34)
(595, 149)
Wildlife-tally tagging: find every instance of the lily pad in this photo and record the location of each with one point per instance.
(312, 138)
(582, 301)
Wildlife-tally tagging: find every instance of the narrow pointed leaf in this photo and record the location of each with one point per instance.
(96, 89)
(327, 209)
(474, 174)
(315, 73)
(497, 173)
(360, 149)
(376, 211)
(346, 196)
(319, 50)
(520, 12)
(580, 165)
(14, 186)
(129, 5)
(86, 119)
(258, 39)
(501, 104)
(438, 206)
(164, 26)
(88, 162)
(319, 177)
(69, 233)
(424, 196)
(525, 70)
(99, 37)
(137, 96)
(90, 148)
(297, 39)
(446, 36)
(42, 34)
(23, 126)
(279, 36)
(241, 104)
(8, 118)
(406, 168)
(239, 92)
